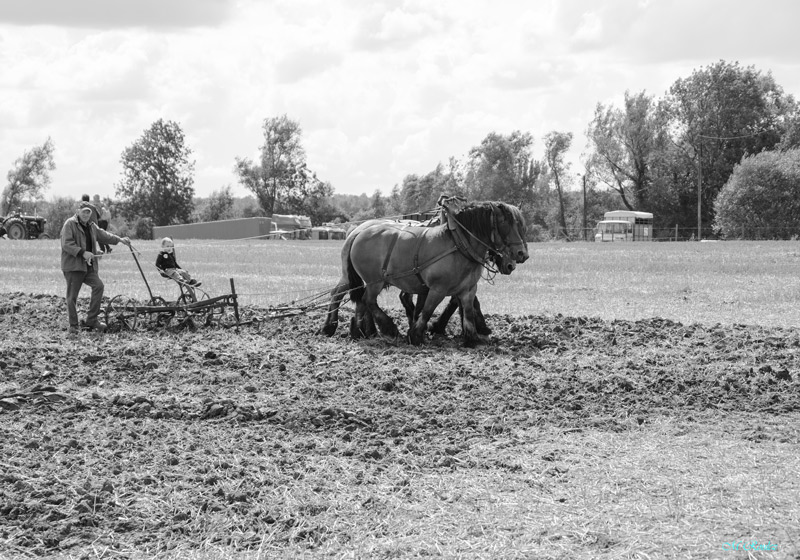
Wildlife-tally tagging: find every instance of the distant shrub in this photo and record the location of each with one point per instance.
(537, 233)
(59, 211)
(760, 199)
(143, 228)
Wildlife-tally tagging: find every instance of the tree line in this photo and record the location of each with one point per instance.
(718, 153)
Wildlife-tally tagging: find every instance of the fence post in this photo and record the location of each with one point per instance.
(676, 232)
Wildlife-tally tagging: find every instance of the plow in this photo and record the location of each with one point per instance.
(188, 311)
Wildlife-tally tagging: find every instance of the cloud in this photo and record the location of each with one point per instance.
(396, 28)
(305, 62)
(95, 14)
(380, 89)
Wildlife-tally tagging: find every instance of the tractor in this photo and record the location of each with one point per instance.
(19, 226)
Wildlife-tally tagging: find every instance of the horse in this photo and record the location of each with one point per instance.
(504, 263)
(442, 260)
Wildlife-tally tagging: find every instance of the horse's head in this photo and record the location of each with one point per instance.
(510, 228)
(499, 230)
(504, 262)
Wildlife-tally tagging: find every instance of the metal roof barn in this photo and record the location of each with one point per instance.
(241, 228)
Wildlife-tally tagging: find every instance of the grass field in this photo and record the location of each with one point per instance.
(728, 283)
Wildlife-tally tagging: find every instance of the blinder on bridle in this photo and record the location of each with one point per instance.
(503, 245)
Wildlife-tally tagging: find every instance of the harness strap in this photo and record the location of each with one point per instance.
(388, 257)
(418, 267)
(422, 266)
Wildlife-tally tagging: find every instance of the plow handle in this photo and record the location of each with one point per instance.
(133, 253)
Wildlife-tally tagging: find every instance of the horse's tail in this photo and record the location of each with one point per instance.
(357, 287)
(354, 282)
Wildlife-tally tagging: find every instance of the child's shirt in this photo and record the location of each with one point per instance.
(166, 260)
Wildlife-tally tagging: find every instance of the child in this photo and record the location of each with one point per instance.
(167, 263)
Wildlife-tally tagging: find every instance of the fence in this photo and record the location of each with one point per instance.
(676, 233)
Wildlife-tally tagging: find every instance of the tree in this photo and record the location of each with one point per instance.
(56, 213)
(556, 145)
(623, 142)
(29, 177)
(157, 176)
(281, 180)
(715, 117)
(317, 205)
(762, 197)
(502, 168)
(219, 206)
(378, 204)
(394, 205)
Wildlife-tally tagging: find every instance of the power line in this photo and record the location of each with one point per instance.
(731, 137)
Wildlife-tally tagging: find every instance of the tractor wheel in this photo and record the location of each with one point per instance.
(15, 228)
(45, 236)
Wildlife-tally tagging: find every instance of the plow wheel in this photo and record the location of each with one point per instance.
(121, 314)
(227, 319)
(159, 319)
(193, 317)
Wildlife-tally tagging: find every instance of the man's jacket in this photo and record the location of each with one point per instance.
(73, 244)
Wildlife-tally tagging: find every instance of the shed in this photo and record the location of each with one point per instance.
(241, 228)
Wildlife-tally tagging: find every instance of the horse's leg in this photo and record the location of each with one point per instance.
(358, 324)
(417, 333)
(480, 320)
(439, 326)
(467, 299)
(332, 319)
(421, 297)
(385, 323)
(368, 325)
(350, 282)
(408, 304)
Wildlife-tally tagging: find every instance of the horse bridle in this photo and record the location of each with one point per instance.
(503, 238)
(494, 251)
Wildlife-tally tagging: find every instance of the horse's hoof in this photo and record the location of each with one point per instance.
(355, 332)
(471, 342)
(394, 341)
(415, 338)
(485, 331)
(329, 329)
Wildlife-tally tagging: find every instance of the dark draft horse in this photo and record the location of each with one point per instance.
(437, 261)
(504, 263)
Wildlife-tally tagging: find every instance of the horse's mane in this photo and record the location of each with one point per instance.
(477, 218)
(516, 215)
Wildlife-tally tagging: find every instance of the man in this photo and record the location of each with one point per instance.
(105, 218)
(79, 238)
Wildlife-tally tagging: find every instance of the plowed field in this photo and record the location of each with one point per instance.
(271, 440)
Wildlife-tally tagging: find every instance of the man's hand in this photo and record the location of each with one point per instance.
(126, 241)
(87, 256)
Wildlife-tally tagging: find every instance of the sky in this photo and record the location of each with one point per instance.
(380, 89)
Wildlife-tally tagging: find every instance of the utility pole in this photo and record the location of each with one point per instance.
(699, 192)
(584, 207)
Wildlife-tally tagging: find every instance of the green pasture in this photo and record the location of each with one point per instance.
(731, 282)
